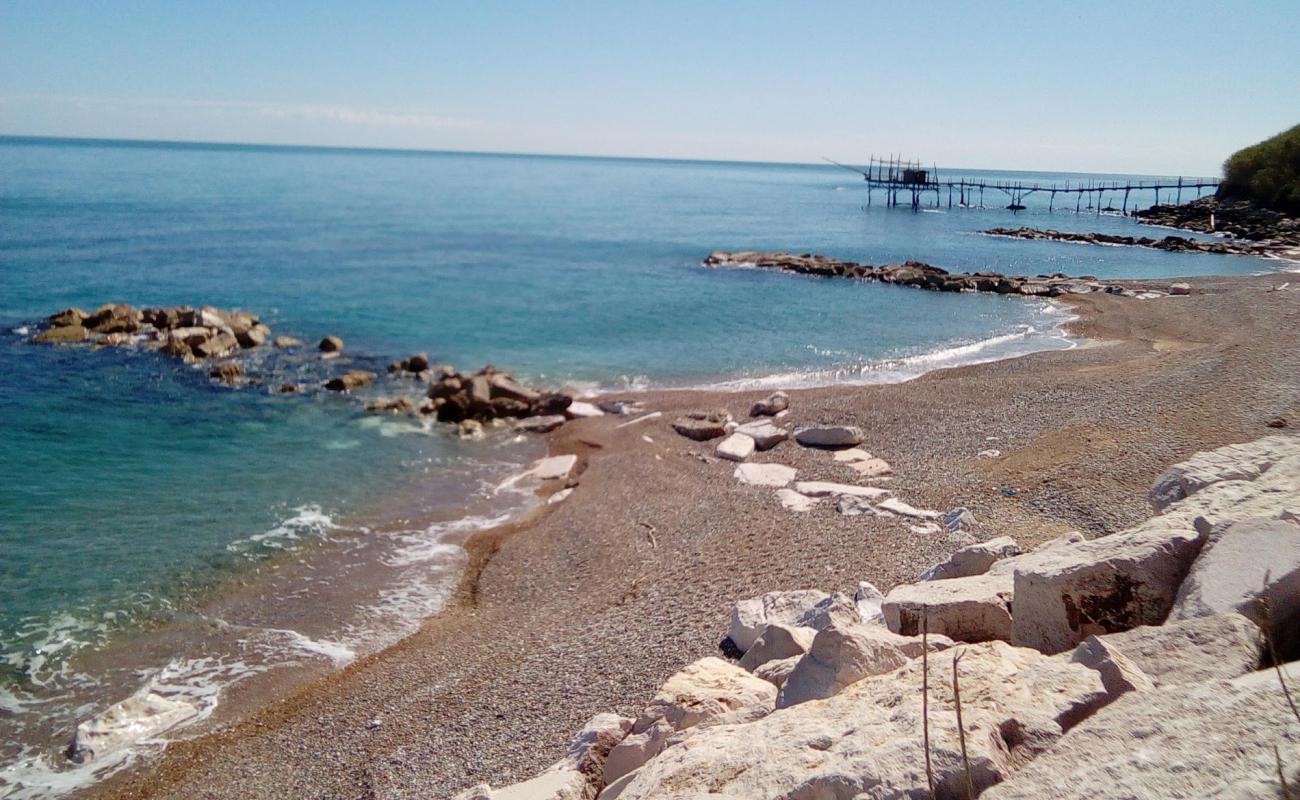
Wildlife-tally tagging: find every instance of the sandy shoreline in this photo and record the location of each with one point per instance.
(586, 606)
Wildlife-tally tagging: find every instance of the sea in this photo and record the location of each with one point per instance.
(162, 534)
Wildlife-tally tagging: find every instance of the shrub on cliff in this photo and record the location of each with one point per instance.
(1267, 173)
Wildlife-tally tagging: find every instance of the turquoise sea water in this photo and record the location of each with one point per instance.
(130, 485)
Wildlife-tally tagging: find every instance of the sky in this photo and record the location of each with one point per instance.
(1145, 87)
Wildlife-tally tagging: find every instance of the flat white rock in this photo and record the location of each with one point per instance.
(765, 434)
(829, 436)
(554, 467)
(580, 410)
(794, 501)
(736, 447)
(774, 475)
(827, 489)
(896, 506)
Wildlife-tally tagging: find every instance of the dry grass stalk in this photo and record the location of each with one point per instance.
(1281, 774)
(961, 730)
(925, 695)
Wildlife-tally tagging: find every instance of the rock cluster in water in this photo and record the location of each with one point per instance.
(1136, 664)
(926, 276)
(1233, 217)
(1173, 244)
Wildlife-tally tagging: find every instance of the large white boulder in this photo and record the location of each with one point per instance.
(777, 642)
(1066, 594)
(974, 609)
(1196, 650)
(1198, 740)
(1236, 462)
(974, 559)
(140, 716)
(865, 742)
(706, 689)
(1244, 563)
(752, 615)
(841, 655)
(867, 599)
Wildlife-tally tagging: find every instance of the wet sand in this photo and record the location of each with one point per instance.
(588, 605)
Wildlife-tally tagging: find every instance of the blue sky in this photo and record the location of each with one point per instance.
(1134, 86)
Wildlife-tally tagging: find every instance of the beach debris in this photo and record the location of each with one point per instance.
(352, 379)
(896, 506)
(765, 434)
(330, 344)
(773, 475)
(1008, 491)
(640, 419)
(990, 453)
(975, 559)
(793, 501)
(542, 424)
(142, 715)
(829, 436)
(770, 406)
(703, 425)
(374, 724)
(736, 447)
(645, 437)
(582, 410)
(959, 519)
(925, 528)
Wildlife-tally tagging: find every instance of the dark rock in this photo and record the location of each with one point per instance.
(253, 337)
(352, 379)
(702, 425)
(68, 317)
(215, 346)
(509, 407)
(551, 403)
(770, 406)
(1277, 422)
(503, 385)
(62, 335)
(115, 318)
(331, 344)
(288, 388)
(228, 373)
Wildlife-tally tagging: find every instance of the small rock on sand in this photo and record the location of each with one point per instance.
(826, 489)
(794, 501)
(554, 467)
(774, 475)
(770, 406)
(829, 436)
(736, 447)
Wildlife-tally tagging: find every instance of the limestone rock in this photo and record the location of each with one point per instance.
(751, 616)
(736, 447)
(770, 406)
(827, 489)
(1195, 650)
(959, 519)
(868, 599)
(62, 335)
(1231, 463)
(775, 642)
(974, 609)
(580, 410)
(330, 344)
(841, 655)
(765, 434)
(708, 688)
(774, 475)
(553, 468)
(702, 425)
(140, 716)
(794, 501)
(1066, 594)
(895, 506)
(974, 559)
(215, 346)
(865, 742)
(1118, 673)
(775, 672)
(67, 317)
(1188, 741)
(254, 336)
(829, 436)
(284, 342)
(572, 777)
(836, 609)
(1243, 563)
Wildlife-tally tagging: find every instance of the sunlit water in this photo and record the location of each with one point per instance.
(131, 487)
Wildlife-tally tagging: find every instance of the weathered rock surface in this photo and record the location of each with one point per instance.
(490, 394)
(829, 436)
(827, 489)
(867, 599)
(581, 410)
(553, 468)
(707, 689)
(702, 425)
(765, 434)
(541, 424)
(751, 616)
(841, 655)
(1118, 673)
(866, 740)
(138, 717)
(736, 447)
(1246, 562)
(1197, 740)
(285, 342)
(974, 609)
(352, 379)
(776, 642)
(974, 559)
(776, 672)
(330, 344)
(771, 405)
(774, 475)
(895, 506)
(1195, 650)
(63, 334)
(1236, 462)
(792, 500)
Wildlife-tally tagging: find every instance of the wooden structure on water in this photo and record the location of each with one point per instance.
(914, 183)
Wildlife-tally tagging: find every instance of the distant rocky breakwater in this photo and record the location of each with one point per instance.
(1172, 244)
(919, 275)
(225, 342)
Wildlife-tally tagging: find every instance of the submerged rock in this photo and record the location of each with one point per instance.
(352, 379)
(330, 344)
(140, 716)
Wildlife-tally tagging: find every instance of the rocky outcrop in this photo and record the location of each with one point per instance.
(490, 394)
(776, 642)
(973, 559)
(1174, 244)
(1240, 218)
(1195, 650)
(974, 609)
(1234, 462)
(844, 654)
(919, 275)
(750, 617)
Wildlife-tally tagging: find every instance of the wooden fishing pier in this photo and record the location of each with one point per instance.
(913, 183)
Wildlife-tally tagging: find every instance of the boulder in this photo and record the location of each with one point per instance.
(352, 379)
(751, 616)
(959, 519)
(621, 408)
(736, 447)
(837, 609)
(770, 406)
(548, 403)
(284, 342)
(553, 468)
(774, 475)
(503, 407)
(62, 335)
(1118, 673)
(974, 609)
(1066, 594)
(706, 689)
(573, 777)
(1251, 567)
(330, 344)
(865, 741)
(972, 560)
(580, 410)
(895, 506)
(68, 317)
(1197, 740)
(829, 436)
(775, 672)
(502, 385)
(867, 599)
(827, 489)
(841, 655)
(1194, 650)
(114, 318)
(143, 715)
(541, 424)
(775, 642)
(228, 373)
(793, 501)
(254, 336)
(765, 434)
(702, 425)
(215, 346)
(1235, 462)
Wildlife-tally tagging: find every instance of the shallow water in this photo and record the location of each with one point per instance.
(132, 487)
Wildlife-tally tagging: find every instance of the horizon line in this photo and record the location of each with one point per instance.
(230, 145)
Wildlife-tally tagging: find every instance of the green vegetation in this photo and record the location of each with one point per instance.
(1267, 173)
